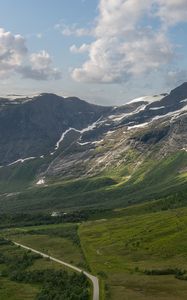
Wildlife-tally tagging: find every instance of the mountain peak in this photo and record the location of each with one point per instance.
(180, 91)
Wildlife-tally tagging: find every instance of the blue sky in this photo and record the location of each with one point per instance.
(104, 51)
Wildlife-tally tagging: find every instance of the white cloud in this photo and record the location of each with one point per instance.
(40, 60)
(40, 67)
(15, 58)
(123, 47)
(12, 51)
(172, 12)
(82, 49)
(67, 30)
(116, 60)
(119, 16)
(146, 52)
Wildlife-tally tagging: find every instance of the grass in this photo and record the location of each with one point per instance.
(118, 248)
(133, 287)
(10, 290)
(19, 176)
(127, 187)
(58, 240)
(13, 258)
(149, 234)
(124, 247)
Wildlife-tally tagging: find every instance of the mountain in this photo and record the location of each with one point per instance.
(32, 126)
(65, 153)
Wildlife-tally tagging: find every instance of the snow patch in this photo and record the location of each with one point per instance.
(110, 132)
(61, 139)
(137, 126)
(148, 99)
(82, 144)
(55, 214)
(139, 99)
(97, 142)
(117, 118)
(156, 108)
(40, 181)
(20, 99)
(112, 116)
(90, 127)
(12, 194)
(120, 117)
(174, 114)
(21, 160)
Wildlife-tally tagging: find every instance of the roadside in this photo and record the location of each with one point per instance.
(93, 279)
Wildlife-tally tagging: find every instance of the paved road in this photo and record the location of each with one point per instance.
(93, 279)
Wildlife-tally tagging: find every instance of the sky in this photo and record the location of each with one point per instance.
(104, 51)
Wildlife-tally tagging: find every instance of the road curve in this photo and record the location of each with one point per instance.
(94, 279)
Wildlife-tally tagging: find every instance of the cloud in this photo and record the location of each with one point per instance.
(12, 51)
(40, 67)
(172, 12)
(125, 46)
(119, 16)
(82, 49)
(67, 30)
(113, 60)
(15, 58)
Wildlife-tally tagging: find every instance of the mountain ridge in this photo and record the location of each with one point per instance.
(54, 108)
(116, 151)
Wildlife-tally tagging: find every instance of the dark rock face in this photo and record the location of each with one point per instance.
(168, 104)
(33, 127)
(154, 136)
(173, 101)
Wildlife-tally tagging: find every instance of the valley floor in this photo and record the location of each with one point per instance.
(25, 274)
(136, 256)
(122, 250)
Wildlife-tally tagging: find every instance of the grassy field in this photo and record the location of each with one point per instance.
(21, 272)
(10, 290)
(13, 290)
(121, 249)
(58, 240)
(124, 242)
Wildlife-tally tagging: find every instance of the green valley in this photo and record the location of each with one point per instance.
(92, 194)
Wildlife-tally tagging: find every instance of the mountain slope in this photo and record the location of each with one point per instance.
(31, 127)
(93, 156)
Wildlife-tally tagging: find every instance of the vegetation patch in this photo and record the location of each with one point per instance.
(117, 249)
(15, 266)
